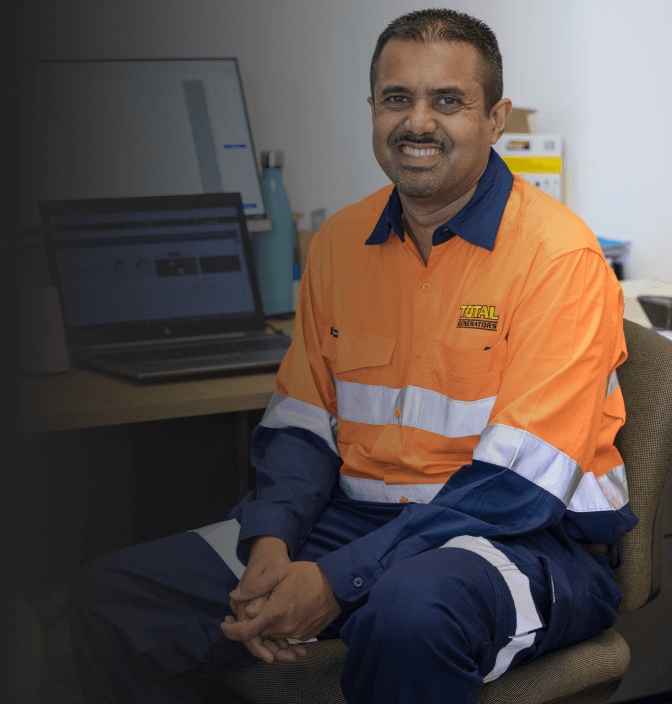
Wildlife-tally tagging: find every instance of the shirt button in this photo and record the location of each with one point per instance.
(397, 412)
(357, 582)
(426, 287)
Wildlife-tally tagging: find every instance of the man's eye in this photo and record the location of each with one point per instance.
(445, 100)
(397, 99)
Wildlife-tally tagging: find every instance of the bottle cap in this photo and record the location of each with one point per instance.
(272, 159)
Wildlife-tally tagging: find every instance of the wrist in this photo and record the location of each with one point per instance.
(269, 546)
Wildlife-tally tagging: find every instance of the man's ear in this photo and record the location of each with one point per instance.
(499, 116)
(369, 100)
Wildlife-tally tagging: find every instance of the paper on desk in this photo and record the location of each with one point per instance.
(635, 313)
(642, 287)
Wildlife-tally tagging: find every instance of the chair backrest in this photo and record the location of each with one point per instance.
(645, 444)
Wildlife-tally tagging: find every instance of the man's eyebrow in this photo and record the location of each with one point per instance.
(395, 89)
(446, 90)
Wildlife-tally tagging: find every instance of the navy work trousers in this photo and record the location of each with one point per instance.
(145, 621)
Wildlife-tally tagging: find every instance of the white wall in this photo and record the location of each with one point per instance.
(598, 71)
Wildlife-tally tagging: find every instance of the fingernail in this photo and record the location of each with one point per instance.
(235, 593)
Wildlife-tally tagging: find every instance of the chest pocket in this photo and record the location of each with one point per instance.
(464, 375)
(351, 354)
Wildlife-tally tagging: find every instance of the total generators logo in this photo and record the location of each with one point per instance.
(479, 317)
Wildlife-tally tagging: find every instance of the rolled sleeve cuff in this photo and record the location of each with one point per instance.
(265, 518)
(352, 571)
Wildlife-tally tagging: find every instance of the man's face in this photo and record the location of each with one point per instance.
(428, 98)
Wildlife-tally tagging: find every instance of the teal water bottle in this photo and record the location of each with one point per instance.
(274, 250)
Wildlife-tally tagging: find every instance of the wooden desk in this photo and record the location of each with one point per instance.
(86, 399)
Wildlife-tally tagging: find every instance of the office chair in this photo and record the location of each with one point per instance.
(586, 673)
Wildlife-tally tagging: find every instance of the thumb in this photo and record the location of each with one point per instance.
(257, 586)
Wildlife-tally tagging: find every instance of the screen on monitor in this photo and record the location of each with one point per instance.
(128, 128)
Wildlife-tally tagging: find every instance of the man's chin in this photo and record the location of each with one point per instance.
(416, 190)
(415, 181)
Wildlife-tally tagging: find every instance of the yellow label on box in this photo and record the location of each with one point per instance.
(534, 164)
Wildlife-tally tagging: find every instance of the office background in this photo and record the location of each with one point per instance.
(597, 71)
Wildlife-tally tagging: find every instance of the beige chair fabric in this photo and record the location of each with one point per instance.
(586, 673)
(558, 675)
(314, 679)
(562, 674)
(645, 443)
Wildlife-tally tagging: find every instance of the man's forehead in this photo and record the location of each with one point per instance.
(429, 65)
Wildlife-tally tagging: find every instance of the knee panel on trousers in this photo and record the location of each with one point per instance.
(441, 596)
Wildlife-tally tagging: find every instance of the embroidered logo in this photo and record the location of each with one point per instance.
(479, 317)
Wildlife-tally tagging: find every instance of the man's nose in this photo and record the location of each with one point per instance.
(421, 118)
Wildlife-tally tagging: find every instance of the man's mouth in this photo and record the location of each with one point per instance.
(427, 151)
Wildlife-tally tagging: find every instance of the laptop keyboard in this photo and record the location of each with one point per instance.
(214, 349)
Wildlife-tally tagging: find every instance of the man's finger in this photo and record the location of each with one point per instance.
(260, 649)
(238, 608)
(255, 606)
(278, 650)
(299, 649)
(245, 630)
(283, 654)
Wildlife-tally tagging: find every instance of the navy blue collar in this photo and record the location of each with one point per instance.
(477, 223)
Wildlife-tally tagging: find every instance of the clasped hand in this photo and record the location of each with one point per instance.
(277, 600)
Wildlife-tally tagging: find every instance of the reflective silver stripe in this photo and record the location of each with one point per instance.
(377, 490)
(507, 653)
(362, 403)
(531, 457)
(223, 538)
(418, 408)
(606, 493)
(285, 412)
(612, 384)
(527, 618)
(436, 413)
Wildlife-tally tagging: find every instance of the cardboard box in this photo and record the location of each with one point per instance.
(537, 158)
(521, 120)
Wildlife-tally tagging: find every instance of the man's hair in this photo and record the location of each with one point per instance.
(438, 25)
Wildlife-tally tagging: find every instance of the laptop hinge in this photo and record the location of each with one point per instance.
(171, 341)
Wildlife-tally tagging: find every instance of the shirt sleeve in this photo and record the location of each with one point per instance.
(294, 449)
(546, 432)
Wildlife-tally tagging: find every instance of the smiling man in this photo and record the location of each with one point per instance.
(432, 128)
(440, 445)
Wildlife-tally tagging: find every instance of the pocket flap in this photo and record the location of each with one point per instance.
(356, 351)
(470, 363)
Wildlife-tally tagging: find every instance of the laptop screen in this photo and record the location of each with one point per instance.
(152, 268)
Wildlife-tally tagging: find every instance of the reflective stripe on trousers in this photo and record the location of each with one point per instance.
(527, 618)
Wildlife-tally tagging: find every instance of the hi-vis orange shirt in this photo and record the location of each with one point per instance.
(483, 383)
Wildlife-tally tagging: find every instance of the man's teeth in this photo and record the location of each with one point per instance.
(420, 152)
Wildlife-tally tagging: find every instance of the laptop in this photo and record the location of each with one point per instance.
(157, 288)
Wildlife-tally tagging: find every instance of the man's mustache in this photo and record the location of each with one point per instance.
(416, 139)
